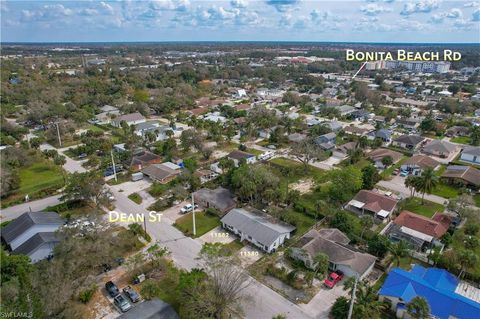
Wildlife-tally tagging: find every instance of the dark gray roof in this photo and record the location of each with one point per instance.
(158, 171)
(220, 197)
(27, 220)
(261, 227)
(151, 309)
(35, 242)
(474, 150)
(410, 139)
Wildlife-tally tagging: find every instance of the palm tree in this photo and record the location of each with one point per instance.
(466, 259)
(418, 308)
(411, 182)
(398, 251)
(321, 264)
(367, 304)
(427, 182)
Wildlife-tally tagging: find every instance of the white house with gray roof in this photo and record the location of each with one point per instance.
(471, 155)
(32, 234)
(262, 230)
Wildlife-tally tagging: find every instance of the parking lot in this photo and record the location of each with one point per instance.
(133, 187)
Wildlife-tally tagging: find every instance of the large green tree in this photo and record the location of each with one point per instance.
(418, 308)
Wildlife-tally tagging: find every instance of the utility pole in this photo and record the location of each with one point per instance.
(58, 133)
(113, 165)
(193, 216)
(352, 301)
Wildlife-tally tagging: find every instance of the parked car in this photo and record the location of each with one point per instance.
(187, 208)
(112, 289)
(395, 171)
(83, 155)
(403, 173)
(131, 294)
(122, 303)
(333, 279)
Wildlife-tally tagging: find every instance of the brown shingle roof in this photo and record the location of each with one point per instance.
(379, 153)
(375, 201)
(467, 173)
(423, 224)
(422, 161)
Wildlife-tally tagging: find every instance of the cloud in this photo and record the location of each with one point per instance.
(317, 15)
(239, 3)
(282, 5)
(471, 4)
(420, 6)
(372, 24)
(373, 9)
(455, 13)
(217, 16)
(49, 12)
(106, 8)
(169, 5)
(476, 15)
(463, 24)
(437, 18)
(388, 1)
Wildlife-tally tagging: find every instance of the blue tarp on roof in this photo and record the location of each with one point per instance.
(437, 286)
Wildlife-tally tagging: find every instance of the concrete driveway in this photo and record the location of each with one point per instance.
(217, 235)
(322, 302)
(132, 187)
(170, 215)
(249, 254)
(397, 184)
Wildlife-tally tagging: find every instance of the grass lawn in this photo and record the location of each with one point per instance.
(458, 245)
(121, 178)
(301, 221)
(95, 128)
(204, 223)
(445, 191)
(476, 198)
(461, 140)
(426, 209)
(38, 180)
(135, 197)
(297, 170)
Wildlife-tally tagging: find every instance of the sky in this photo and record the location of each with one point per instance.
(413, 21)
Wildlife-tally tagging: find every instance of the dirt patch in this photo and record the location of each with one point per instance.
(303, 186)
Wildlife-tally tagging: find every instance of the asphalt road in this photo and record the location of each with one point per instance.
(263, 303)
(13, 212)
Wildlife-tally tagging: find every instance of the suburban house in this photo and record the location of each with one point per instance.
(383, 134)
(333, 243)
(130, 119)
(160, 131)
(32, 234)
(345, 110)
(151, 309)
(422, 233)
(162, 173)
(220, 198)
(333, 125)
(262, 230)
(417, 163)
(409, 142)
(356, 131)
(342, 151)
(296, 137)
(237, 156)
(377, 155)
(142, 159)
(457, 131)
(360, 115)
(444, 293)
(471, 155)
(467, 176)
(409, 124)
(409, 102)
(205, 175)
(326, 141)
(369, 202)
(107, 113)
(439, 148)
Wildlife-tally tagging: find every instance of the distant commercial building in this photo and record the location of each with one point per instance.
(416, 66)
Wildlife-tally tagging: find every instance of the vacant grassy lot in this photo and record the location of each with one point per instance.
(458, 244)
(476, 198)
(427, 209)
(135, 197)
(37, 181)
(204, 223)
(461, 140)
(445, 191)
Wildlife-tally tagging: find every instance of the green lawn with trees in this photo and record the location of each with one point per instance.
(135, 197)
(204, 223)
(427, 208)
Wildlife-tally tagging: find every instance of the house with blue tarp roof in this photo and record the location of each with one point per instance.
(437, 286)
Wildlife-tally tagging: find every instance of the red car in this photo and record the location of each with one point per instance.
(333, 279)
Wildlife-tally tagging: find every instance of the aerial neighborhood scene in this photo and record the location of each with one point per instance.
(277, 159)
